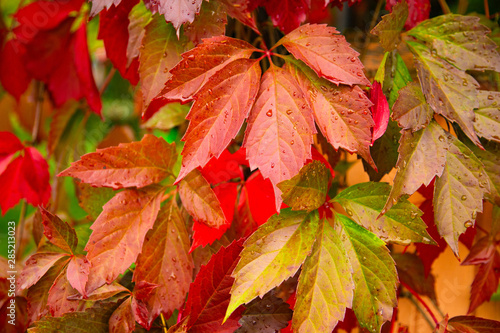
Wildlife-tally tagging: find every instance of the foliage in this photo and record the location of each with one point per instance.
(194, 179)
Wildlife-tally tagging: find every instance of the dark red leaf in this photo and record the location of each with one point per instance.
(260, 197)
(143, 289)
(13, 75)
(209, 293)
(380, 110)
(224, 167)
(58, 232)
(471, 324)
(141, 313)
(486, 282)
(285, 14)
(418, 10)
(14, 311)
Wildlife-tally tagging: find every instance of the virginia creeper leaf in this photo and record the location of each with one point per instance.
(78, 273)
(482, 251)
(411, 110)
(164, 261)
(168, 117)
(325, 286)
(92, 199)
(57, 301)
(307, 190)
(490, 158)
(218, 113)
(472, 324)
(122, 320)
(102, 293)
(98, 5)
(160, 53)
(138, 18)
(461, 40)
(272, 254)
(327, 52)
(487, 124)
(411, 271)
(118, 233)
(268, 314)
(13, 75)
(458, 193)
(374, 274)
(59, 233)
(261, 200)
(239, 10)
(286, 15)
(448, 90)
(36, 267)
(200, 63)
(93, 320)
(279, 134)
(200, 200)
(225, 167)
(380, 111)
(485, 282)
(396, 77)
(401, 224)
(418, 10)
(136, 164)
(422, 156)
(209, 293)
(210, 22)
(389, 29)
(176, 11)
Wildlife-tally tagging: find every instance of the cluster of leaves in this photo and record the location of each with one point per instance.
(247, 231)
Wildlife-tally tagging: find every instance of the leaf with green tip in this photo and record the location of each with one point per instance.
(59, 233)
(92, 199)
(325, 286)
(461, 40)
(272, 254)
(168, 117)
(422, 156)
(308, 189)
(396, 77)
(490, 158)
(389, 29)
(200, 200)
(401, 224)
(458, 193)
(411, 110)
(266, 314)
(374, 274)
(160, 52)
(487, 124)
(449, 91)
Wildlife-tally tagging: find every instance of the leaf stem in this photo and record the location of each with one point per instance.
(38, 111)
(20, 228)
(163, 323)
(107, 81)
(417, 296)
(393, 320)
(486, 9)
(444, 6)
(422, 312)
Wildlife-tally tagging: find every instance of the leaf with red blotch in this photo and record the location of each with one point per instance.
(114, 24)
(286, 15)
(239, 9)
(165, 262)
(13, 75)
(200, 200)
(36, 267)
(202, 234)
(119, 232)
(57, 301)
(219, 111)
(209, 293)
(177, 12)
(78, 273)
(135, 164)
(59, 233)
(122, 320)
(210, 22)
(199, 64)
(486, 281)
(261, 199)
(327, 52)
(380, 110)
(418, 11)
(481, 252)
(159, 54)
(98, 5)
(342, 113)
(225, 167)
(471, 324)
(280, 129)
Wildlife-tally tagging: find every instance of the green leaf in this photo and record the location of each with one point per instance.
(307, 190)
(458, 193)
(399, 77)
(401, 224)
(325, 286)
(374, 274)
(169, 116)
(461, 40)
(92, 199)
(389, 29)
(422, 156)
(487, 124)
(411, 110)
(139, 18)
(449, 91)
(272, 254)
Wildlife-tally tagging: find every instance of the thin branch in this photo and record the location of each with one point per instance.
(444, 6)
(106, 82)
(417, 296)
(20, 228)
(39, 88)
(163, 323)
(486, 9)
(422, 312)
(372, 25)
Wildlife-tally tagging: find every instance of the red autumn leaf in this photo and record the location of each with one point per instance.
(122, 320)
(261, 199)
(285, 14)
(418, 11)
(136, 164)
(200, 200)
(224, 167)
(199, 64)
(486, 281)
(239, 9)
(218, 113)
(164, 262)
(340, 3)
(481, 252)
(141, 313)
(177, 12)
(280, 129)
(21, 316)
(58, 232)
(13, 75)
(380, 110)
(36, 266)
(58, 301)
(210, 22)
(78, 273)
(209, 293)
(114, 32)
(327, 52)
(118, 234)
(471, 324)
(9, 145)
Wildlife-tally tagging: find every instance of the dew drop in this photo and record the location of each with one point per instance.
(464, 197)
(413, 215)
(288, 112)
(325, 89)
(468, 224)
(349, 212)
(292, 142)
(269, 113)
(272, 165)
(465, 83)
(490, 97)
(353, 59)
(474, 215)
(441, 138)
